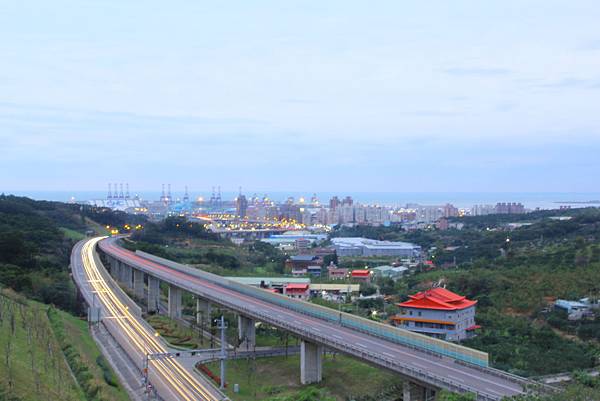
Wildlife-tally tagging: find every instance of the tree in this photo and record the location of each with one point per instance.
(327, 259)
(448, 396)
(367, 289)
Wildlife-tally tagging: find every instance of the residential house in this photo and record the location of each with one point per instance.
(439, 313)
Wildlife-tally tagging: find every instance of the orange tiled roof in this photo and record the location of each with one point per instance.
(438, 299)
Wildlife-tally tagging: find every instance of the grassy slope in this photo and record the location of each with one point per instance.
(72, 234)
(343, 377)
(76, 331)
(36, 238)
(50, 377)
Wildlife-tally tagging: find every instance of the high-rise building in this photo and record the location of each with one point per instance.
(241, 205)
(450, 210)
(482, 210)
(334, 202)
(510, 208)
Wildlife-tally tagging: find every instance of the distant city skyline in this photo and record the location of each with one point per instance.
(316, 96)
(546, 200)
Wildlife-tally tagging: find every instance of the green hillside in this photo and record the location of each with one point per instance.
(47, 352)
(33, 366)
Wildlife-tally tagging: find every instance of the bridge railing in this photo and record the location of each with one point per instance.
(390, 333)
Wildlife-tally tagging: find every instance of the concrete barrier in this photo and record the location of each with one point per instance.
(387, 332)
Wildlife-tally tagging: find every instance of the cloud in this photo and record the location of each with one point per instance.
(571, 82)
(505, 106)
(590, 45)
(477, 71)
(430, 113)
(299, 101)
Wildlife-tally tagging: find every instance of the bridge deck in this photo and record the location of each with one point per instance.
(421, 366)
(133, 334)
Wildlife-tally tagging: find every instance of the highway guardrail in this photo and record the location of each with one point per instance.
(387, 332)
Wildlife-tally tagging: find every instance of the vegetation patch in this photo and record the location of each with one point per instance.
(91, 369)
(278, 378)
(32, 366)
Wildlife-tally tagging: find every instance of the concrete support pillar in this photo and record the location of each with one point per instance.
(116, 269)
(203, 310)
(311, 363)
(246, 332)
(138, 283)
(174, 302)
(113, 266)
(416, 392)
(406, 393)
(120, 274)
(153, 293)
(127, 275)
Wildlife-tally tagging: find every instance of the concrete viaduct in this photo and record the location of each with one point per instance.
(427, 364)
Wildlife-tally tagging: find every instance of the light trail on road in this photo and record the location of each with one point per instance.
(182, 384)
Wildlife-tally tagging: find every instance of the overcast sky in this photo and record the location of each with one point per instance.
(301, 95)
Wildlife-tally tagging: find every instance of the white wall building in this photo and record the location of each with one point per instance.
(356, 246)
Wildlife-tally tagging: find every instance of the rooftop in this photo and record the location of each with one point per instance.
(304, 258)
(382, 269)
(371, 243)
(438, 299)
(335, 287)
(296, 286)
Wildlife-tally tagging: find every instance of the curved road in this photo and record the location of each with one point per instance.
(169, 377)
(419, 366)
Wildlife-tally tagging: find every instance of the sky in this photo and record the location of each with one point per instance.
(386, 96)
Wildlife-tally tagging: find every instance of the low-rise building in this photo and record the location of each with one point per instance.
(299, 271)
(393, 272)
(298, 291)
(314, 271)
(302, 244)
(322, 251)
(439, 313)
(297, 262)
(575, 310)
(363, 275)
(337, 273)
(295, 239)
(334, 291)
(356, 246)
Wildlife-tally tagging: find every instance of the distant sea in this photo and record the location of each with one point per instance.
(542, 200)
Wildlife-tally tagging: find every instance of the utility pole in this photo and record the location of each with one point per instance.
(93, 312)
(222, 326)
(145, 377)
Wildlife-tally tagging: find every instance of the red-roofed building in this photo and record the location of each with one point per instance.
(297, 290)
(439, 313)
(361, 275)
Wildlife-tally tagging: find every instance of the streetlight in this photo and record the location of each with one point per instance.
(147, 365)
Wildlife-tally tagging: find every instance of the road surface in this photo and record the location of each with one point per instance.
(420, 366)
(168, 376)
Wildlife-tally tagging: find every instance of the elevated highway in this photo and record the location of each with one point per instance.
(427, 364)
(122, 320)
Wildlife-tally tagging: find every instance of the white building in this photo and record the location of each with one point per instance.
(356, 246)
(439, 313)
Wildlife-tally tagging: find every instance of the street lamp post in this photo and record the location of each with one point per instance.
(222, 326)
(146, 367)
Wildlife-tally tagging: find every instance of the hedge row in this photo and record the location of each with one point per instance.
(82, 373)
